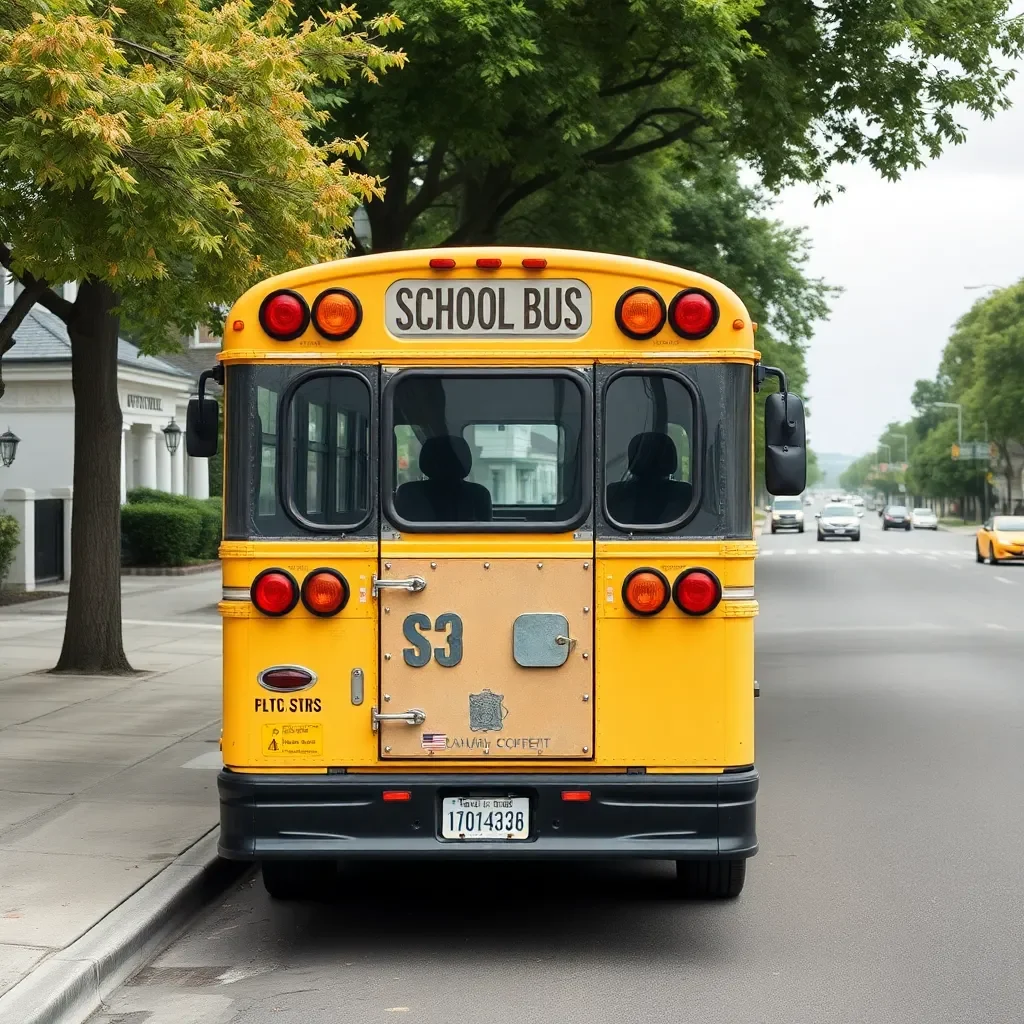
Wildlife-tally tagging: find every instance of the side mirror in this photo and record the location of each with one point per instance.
(201, 424)
(817, 515)
(785, 456)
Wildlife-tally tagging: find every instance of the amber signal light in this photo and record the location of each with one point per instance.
(337, 314)
(325, 592)
(645, 591)
(640, 313)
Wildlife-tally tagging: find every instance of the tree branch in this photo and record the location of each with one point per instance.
(44, 295)
(644, 81)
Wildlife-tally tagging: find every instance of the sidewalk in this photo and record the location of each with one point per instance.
(103, 781)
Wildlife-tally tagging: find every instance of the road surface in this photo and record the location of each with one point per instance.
(889, 886)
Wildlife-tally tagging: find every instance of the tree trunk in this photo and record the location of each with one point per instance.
(92, 631)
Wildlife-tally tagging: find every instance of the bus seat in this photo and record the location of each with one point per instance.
(649, 496)
(445, 496)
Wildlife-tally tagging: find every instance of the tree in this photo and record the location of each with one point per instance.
(983, 363)
(159, 155)
(503, 100)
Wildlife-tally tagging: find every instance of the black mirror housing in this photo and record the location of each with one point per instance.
(785, 442)
(201, 428)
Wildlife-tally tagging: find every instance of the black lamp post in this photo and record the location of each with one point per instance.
(172, 436)
(8, 446)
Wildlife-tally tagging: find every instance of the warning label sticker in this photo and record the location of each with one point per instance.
(293, 739)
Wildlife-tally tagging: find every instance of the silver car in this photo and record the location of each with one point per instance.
(839, 521)
(924, 519)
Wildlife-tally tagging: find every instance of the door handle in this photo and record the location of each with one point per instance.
(412, 583)
(562, 641)
(413, 717)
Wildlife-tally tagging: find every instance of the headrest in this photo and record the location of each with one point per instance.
(652, 456)
(445, 458)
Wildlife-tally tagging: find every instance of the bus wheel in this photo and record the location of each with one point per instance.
(297, 879)
(710, 879)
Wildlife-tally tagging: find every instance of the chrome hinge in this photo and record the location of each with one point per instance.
(413, 583)
(562, 641)
(413, 717)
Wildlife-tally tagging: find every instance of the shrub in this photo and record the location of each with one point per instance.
(9, 533)
(209, 512)
(161, 533)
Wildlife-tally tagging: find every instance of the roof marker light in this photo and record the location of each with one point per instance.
(488, 263)
(442, 263)
(535, 263)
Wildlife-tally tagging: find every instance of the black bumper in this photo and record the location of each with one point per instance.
(674, 817)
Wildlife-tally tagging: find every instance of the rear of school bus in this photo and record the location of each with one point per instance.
(488, 565)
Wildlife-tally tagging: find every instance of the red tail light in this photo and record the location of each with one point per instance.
(693, 314)
(286, 678)
(274, 592)
(697, 591)
(575, 796)
(392, 796)
(640, 313)
(284, 315)
(442, 263)
(488, 263)
(645, 591)
(325, 592)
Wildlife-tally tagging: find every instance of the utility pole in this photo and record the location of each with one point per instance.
(959, 418)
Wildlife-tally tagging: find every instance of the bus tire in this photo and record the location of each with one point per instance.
(710, 879)
(297, 879)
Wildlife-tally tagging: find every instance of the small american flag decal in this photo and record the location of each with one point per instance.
(434, 741)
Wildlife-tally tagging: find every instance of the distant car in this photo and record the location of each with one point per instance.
(895, 517)
(924, 519)
(787, 515)
(1000, 538)
(838, 521)
(857, 502)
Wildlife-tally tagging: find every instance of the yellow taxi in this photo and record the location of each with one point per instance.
(1000, 538)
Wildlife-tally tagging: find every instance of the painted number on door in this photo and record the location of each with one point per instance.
(419, 653)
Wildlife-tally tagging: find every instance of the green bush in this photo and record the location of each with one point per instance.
(209, 512)
(161, 533)
(9, 532)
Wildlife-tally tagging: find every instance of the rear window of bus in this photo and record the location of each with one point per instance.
(487, 450)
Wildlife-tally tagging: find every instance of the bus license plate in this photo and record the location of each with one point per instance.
(485, 817)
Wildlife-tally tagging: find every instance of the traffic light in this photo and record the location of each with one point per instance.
(955, 451)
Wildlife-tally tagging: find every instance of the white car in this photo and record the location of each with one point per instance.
(787, 515)
(857, 502)
(924, 519)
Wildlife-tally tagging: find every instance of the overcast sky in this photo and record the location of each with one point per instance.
(904, 252)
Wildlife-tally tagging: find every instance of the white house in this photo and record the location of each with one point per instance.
(38, 407)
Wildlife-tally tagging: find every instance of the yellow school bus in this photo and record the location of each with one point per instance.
(488, 563)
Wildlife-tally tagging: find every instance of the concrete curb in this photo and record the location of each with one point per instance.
(169, 570)
(71, 984)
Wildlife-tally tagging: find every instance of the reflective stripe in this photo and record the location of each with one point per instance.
(737, 593)
(235, 594)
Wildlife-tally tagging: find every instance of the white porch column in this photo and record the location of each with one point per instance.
(20, 502)
(178, 468)
(198, 478)
(163, 462)
(67, 495)
(147, 457)
(124, 459)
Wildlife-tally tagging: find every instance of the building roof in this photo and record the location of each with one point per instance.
(42, 338)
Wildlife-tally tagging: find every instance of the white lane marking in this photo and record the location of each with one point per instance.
(1003, 579)
(789, 551)
(996, 625)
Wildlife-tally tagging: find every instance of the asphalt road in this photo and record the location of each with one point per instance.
(889, 886)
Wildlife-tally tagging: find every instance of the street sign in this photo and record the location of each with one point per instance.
(972, 450)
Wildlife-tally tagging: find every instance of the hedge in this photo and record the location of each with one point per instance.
(9, 531)
(161, 534)
(209, 511)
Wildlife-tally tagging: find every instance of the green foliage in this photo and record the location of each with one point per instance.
(209, 511)
(500, 100)
(162, 147)
(158, 534)
(9, 536)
